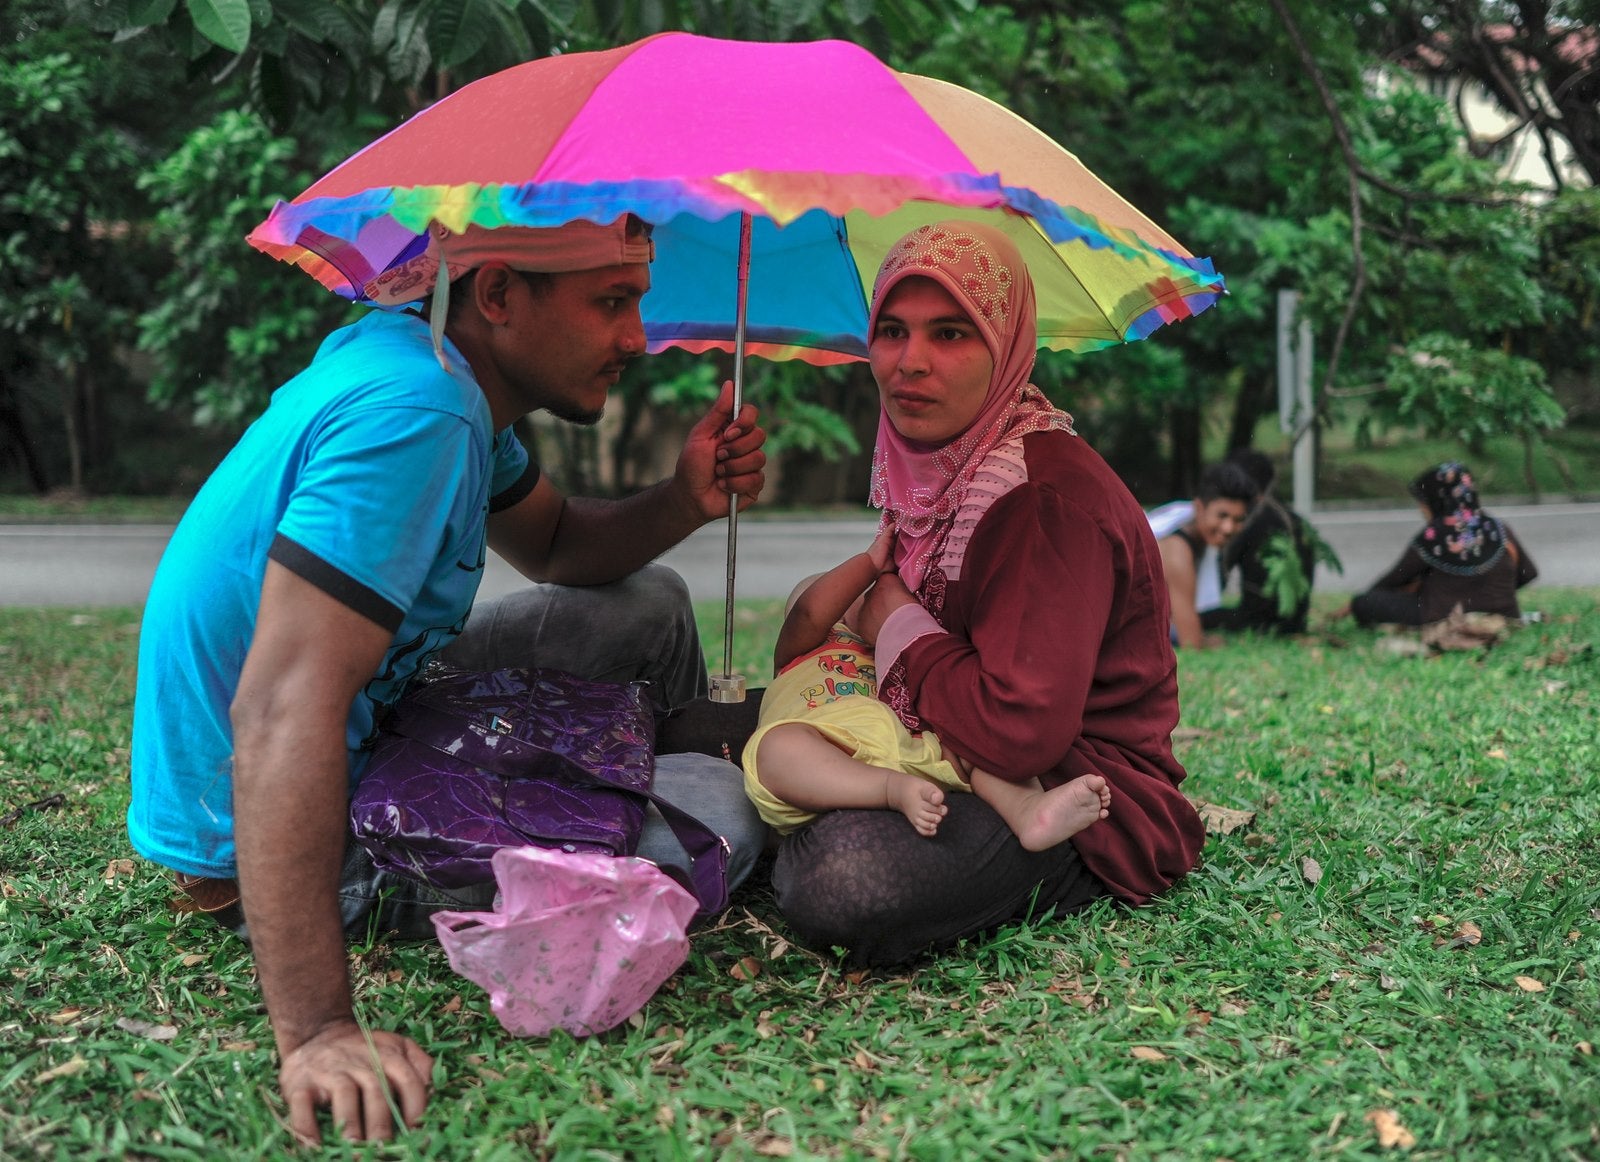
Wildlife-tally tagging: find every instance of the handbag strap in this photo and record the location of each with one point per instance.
(707, 875)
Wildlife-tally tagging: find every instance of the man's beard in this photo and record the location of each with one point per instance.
(573, 414)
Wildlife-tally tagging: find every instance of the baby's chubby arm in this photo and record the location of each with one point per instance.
(813, 612)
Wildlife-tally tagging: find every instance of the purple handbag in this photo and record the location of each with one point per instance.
(469, 762)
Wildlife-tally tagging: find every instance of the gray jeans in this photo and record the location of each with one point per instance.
(639, 628)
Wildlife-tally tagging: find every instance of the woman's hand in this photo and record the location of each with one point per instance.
(886, 596)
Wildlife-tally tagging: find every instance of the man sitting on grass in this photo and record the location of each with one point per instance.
(338, 547)
(1188, 551)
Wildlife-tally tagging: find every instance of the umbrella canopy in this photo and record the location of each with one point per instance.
(833, 154)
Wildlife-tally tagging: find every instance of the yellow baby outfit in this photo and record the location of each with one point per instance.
(834, 690)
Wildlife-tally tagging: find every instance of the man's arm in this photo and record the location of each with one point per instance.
(1177, 563)
(310, 657)
(581, 541)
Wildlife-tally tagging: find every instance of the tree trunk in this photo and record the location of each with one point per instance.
(90, 429)
(12, 421)
(1247, 408)
(625, 474)
(1183, 473)
(74, 433)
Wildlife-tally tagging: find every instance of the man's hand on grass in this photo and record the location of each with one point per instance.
(362, 1076)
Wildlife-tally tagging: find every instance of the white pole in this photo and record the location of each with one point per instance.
(1305, 448)
(1294, 395)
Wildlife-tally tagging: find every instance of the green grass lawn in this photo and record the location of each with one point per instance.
(1399, 948)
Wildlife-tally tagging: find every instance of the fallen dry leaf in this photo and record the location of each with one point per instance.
(118, 867)
(453, 1005)
(1311, 869)
(1222, 820)
(775, 1147)
(665, 1115)
(238, 1046)
(1528, 984)
(1496, 753)
(747, 968)
(191, 960)
(1146, 1053)
(65, 1069)
(65, 1016)
(1585, 1048)
(1467, 935)
(864, 1062)
(1390, 1132)
(147, 1029)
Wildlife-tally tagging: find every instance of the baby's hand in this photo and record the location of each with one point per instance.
(881, 551)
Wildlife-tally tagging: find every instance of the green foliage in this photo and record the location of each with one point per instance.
(75, 262)
(1287, 582)
(225, 23)
(61, 169)
(1569, 267)
(1202, 116)
(1262, 1009)
(228, 326)
(1443, 384)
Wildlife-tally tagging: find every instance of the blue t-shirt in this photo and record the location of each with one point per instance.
(370, 475)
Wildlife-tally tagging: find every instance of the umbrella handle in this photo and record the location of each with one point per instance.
(728, 686)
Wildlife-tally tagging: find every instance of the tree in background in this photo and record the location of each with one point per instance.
(76, 262)
(1268, 136)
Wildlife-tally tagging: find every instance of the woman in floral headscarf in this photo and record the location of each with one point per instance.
(1463, 556)
(1026, 625)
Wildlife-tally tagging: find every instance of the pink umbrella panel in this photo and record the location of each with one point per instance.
(831, 152)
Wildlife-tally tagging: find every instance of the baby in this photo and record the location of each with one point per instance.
(824, 742)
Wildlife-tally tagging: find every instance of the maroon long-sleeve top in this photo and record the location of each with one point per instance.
(1056, 663)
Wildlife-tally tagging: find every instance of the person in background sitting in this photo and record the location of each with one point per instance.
(1461, 557)
(1188, 551)
(1271, 520)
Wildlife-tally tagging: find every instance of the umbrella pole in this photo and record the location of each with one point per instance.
(728, 686)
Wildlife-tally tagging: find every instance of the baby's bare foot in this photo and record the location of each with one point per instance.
(1053, 816)
(918, 800)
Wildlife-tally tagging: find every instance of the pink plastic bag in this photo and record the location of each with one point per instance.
(577, 941)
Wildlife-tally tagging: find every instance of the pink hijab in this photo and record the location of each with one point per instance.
(921, 487)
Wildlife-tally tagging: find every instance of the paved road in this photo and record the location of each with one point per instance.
(112, 564)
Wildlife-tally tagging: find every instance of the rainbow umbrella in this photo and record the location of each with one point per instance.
(776, 176)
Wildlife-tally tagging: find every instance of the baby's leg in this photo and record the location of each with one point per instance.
(1041, 819)
(803, 768)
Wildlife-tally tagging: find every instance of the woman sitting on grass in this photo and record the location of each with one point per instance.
(1461, 557)
(1025, 626)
